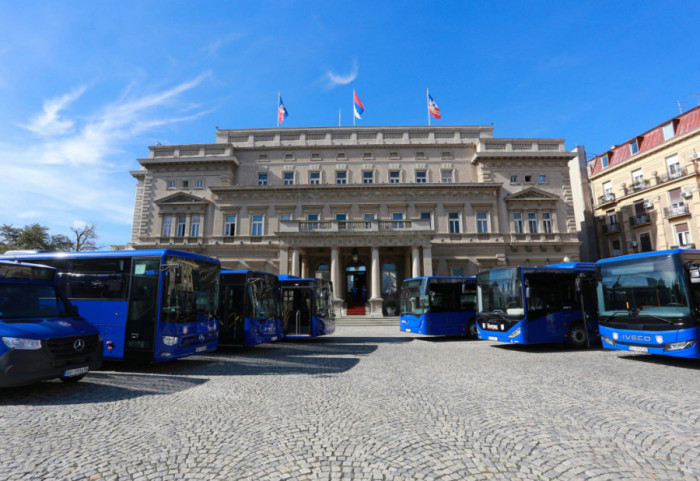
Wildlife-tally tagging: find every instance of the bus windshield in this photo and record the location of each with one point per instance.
(190, 290)
(264, 298)
(651, 286)
(412, 301)
(500, 291)
(24, 301)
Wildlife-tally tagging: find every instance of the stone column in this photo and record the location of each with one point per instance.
(335, 279)
(304, 266)
(376, 300)
(284, 260)
(295, 262)
(415, 262)
(427, 261)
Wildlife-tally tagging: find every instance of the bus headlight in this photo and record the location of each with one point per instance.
(515, 333)
(170, 340)
(608, 340)
(21, 343)
(677, 346)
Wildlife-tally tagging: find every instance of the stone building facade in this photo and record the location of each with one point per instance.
(365, 207)
(646, 189)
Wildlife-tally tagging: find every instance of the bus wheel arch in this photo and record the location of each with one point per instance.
(578, 337)
(472, 331)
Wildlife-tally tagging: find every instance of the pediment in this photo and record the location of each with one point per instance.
(532, 194)
(180, 198)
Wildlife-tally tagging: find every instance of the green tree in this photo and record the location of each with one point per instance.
(32, 237)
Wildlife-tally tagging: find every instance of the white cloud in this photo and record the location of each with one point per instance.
(49, 122)
(335, 80)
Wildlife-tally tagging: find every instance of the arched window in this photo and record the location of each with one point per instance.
(323, 271)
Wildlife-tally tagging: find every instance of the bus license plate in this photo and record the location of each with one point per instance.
(201, 348)
(639, 349)
(76, 372)
(491, 338)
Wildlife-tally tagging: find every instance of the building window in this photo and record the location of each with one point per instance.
(543, 179)
(532, 222)
(257, 229)
(394, 177)
(342, 221)
(171, 184)
(194, 228)
(608, 191)
(368, 217)
(367, 177)
(421, 176)
(637, 179)
(181, 224)
(288, 156)
(314, 178)
(323, 271)
(645, 242)
(547, 222)
(185, 184)
(284, 217)
(262, 178)
(312, 221)
(199, 184)
(397, 216)
(616, 248)
(682, 234)
(367, 156)
(288, 178)
(513, 179)
(482, 222)
(230, 226)
(427, 216)
(604, 161)
(262, 158)
(667, 131)
(634, 147)
(341, 156)
(394, 156)
(518, 222)
(453, 222)
(167, 225)
(528, 179)
(674, 166)
(341, 177)
(446, 176)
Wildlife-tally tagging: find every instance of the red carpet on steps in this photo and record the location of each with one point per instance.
(356, 310)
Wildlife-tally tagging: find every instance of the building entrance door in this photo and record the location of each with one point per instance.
(356, 288)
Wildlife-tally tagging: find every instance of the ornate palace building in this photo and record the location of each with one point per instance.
(646, 189)
(365, 207)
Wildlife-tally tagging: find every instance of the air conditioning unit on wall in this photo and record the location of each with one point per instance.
(686, 193)
(633, 244)
(648, 205)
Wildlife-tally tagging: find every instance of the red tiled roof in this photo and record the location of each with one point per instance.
(684, 123)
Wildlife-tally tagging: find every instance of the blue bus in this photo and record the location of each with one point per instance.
(148, 305)
(250, 308)
(439, 306)
(42, 335)
(650, 302)
(307, 306)
(533, 305)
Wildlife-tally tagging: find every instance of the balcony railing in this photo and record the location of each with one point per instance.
(676, 210)
(640, 219)
(677, 173)
(355, 225)
(604, 199)
(611, 228)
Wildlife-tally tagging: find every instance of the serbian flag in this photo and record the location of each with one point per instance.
(358, 108)
(433, 108)
(281, 112)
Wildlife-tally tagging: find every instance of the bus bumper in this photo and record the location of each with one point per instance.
(681, 343)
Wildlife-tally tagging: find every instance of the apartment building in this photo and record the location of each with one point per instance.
(646, 189)
(361, 206)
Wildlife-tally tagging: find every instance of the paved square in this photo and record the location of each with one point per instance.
(366, 403)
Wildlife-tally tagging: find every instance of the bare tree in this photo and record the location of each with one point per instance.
(85, 237)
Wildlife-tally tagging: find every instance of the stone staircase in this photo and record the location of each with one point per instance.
(367, 321)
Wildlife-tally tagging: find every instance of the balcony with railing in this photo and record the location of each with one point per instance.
(351, 226)
(676, 173)
(676, 210)
(606, 198)
(640, 219)
(611, 228)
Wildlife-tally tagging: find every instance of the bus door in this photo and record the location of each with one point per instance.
(298, 309)
(142, 316)
(553, 304)
(233, 315)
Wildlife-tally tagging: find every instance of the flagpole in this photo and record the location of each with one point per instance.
(427, 103)
(279, 95)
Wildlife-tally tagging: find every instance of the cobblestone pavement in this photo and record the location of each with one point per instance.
(367, 403)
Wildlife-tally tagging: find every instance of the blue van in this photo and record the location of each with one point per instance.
(41, 334)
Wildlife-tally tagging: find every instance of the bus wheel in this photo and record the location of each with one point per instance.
(472, 331)
(72, 379)
(577, 335)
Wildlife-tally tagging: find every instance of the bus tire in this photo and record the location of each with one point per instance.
(577, 335)
(472, 331)
(72, 379)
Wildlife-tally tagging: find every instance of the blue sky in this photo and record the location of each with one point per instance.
(86, 87)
